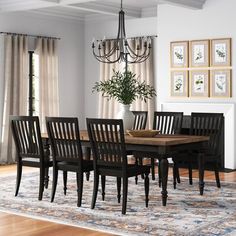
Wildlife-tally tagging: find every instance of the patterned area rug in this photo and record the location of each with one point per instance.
(186, 213)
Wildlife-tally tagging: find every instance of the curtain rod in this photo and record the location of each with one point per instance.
(30, 35)
(136, 37)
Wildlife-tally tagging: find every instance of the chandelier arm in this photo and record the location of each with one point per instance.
(105, 59)
(132, 52)
(140, 59)
(121, 51)
(110, 53)
(102, 60)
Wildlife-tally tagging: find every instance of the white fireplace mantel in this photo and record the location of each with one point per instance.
(229, 113)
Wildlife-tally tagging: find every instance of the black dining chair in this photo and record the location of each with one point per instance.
(29, 149)
(110, 158)
(206, 124)
(67, 154)
(140, 122)
(166, 123)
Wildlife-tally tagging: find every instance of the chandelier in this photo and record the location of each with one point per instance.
(121, 50)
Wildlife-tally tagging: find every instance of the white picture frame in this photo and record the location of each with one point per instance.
(179, 54)
(221, 83)
(179, 83)
(199, 53)
(199, 83)
(221, 52)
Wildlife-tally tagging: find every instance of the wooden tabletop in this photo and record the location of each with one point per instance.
(159, 140)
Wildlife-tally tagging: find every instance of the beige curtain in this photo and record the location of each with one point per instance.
(15, 90)
(46, 48)
(107, 108)
(143, 71)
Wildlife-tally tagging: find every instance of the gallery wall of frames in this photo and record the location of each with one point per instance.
(201, 68)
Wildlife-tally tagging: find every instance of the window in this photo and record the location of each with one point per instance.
(33, 100)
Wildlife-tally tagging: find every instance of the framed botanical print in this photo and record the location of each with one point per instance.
(221, 52)
(179, 83)
(199, 83)
(199, 53)
(179, 54)
(221, 83)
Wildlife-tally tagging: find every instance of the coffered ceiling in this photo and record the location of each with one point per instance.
(89, 9)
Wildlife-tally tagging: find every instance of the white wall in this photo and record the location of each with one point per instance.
(97, 30)
(215, 20)
(71, 55)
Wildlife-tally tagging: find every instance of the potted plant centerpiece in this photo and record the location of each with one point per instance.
(125, 88)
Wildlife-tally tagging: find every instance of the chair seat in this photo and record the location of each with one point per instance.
(35, 162)
(132, 170)
(73, 166)
(194, 154)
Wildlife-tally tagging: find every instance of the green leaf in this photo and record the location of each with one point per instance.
(124, 88)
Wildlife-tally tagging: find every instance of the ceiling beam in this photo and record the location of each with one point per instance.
(85, 5)
(103, 9)
(193, 4)
(26, 5)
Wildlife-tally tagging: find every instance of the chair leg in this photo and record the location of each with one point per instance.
(177, 173)
(136, 163)
(159, 174)
(146, 185)
(65, 181)
(190, 173)
(217, 175)
(87, 176)
(153, 168)
(174, 175)
(87, 157)
(103, 178)
(118, 188)
(140, 159)
(54, 182)
(176, 178)
(18, 177)
(125, 192)
(46, 178)
(41, 182)
(79, 178)
(95, 189)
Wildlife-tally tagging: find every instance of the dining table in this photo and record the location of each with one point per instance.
(162, 147)
(159, 147)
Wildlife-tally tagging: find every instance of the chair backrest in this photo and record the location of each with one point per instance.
(208, 124)
(168, 122)
(27, 136)
(64, 137)
(140, 120)
(107, 140)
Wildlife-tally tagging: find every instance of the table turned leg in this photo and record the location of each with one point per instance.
(87, 157)
(164, 178)
(201, 172)
(47, 156)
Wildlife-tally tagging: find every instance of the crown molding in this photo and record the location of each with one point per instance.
(192, 4)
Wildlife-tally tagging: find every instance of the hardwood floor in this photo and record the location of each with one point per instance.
(18, 226)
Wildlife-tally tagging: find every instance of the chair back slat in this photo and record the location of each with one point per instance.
(27, 136)
(168, 122)
(208, 124)
(140, 120)
(107, 141)
(65, 139)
